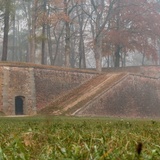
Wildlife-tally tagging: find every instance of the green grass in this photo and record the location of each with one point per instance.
(69, 138)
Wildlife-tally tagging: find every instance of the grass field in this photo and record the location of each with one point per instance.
(69, 138)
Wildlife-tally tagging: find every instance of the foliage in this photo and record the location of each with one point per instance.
(71, 32)
(41, 138)
(133, 26)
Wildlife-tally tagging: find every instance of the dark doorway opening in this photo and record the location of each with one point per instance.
(19, 105)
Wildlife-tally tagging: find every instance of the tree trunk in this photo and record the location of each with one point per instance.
(33, 34)
(19, 53)
(33, 46)
(73, 56)
(108, 65)
(14, 35)
(6, 30)
(82, 59)
(98, 44)
(44, 59)
(27, 10)
(67, 46)
(57, 39)
(98, 55)
(124, 60)
(143, 59)
(67, 38)
(117, 56)
(49, 44)
(49, 40)
(100, 24)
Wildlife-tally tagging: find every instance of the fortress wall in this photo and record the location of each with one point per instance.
(18, 82)
(136, 96)
(39, 85)
(51, 83)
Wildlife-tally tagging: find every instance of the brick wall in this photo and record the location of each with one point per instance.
(136, 96)
(51, 83)
(38, 85)
(18, 82)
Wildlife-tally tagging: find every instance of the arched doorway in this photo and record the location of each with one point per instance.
(19, 105)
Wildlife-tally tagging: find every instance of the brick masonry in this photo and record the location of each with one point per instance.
(18, 82)
(137, 95)
(51, 84)
(37, 85)
(134, 96)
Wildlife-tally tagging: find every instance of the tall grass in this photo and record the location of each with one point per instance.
(61, 138)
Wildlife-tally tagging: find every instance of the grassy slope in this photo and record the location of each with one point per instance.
(66, 138)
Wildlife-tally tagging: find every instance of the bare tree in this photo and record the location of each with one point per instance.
(68, 36)
(6, 29)
(44, 56)
(102, 12)
(81, 22)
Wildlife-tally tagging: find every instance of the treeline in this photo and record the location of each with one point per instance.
(81, 33)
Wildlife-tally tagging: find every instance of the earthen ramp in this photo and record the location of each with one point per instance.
(77, 98)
